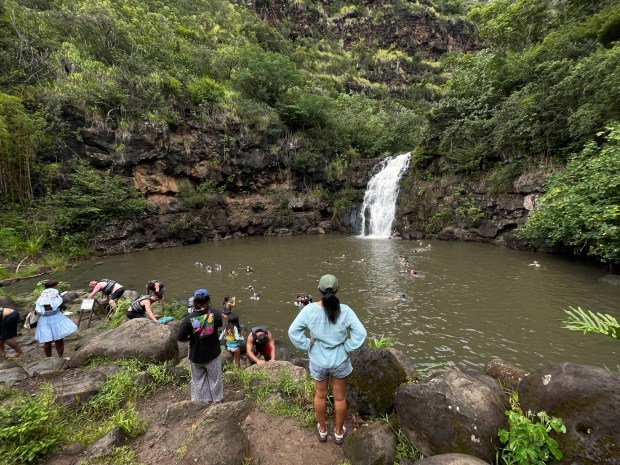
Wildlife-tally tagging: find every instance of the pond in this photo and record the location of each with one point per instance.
(471, 303)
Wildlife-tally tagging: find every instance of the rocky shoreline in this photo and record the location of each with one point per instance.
(451, 416)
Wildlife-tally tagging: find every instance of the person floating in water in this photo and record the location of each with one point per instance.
(232, 274)
(249, 269)
(400, 297)
(535, 264)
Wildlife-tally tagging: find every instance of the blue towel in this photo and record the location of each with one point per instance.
(165, 320)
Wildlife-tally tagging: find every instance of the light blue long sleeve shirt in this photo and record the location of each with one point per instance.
(333, 341)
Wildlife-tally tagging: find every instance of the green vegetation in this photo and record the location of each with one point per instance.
(582, 205)
(298, 400)
(85, 77)
(32, 428)
(528, 440)
(381, 342)
(591, 322)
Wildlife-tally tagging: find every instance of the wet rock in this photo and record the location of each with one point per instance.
(587, 399)
(451, 412)
(74, 449)
(374, 444)
(376, 376)
(506, 374)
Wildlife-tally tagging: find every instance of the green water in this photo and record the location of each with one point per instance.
(474, 301)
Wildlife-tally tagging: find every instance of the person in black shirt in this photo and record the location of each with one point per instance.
(200, 328)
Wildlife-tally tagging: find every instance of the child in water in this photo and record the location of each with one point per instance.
(232, 338)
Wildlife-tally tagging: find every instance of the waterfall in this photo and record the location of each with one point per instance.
(379, 205)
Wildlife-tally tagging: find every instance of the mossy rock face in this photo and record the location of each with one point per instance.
(586, 398)
(373, 383)
(452, 412)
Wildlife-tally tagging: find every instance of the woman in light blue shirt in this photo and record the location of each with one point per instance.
(335, 332)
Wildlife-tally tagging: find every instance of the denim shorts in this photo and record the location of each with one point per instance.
(341, 371)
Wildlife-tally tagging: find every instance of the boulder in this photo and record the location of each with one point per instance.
(105, 445)
(140, 339)
(375, 378)
(507, 375)
(451, 412)
(221, 424)
(44, 367)
(452, 459)
(175, 413)
(374, 444)
(407, 364)
(11, 373)
(587, 399)
(277, 369)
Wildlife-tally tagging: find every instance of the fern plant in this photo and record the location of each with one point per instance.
(591, 322)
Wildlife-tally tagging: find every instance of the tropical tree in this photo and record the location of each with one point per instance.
(582, 205)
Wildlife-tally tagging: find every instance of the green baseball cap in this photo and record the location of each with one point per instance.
(328, 281)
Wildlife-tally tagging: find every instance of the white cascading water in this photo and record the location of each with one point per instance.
(379, 205)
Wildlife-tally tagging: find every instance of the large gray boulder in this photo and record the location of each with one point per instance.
(375, 378)
(227, 443)
(451, 412)
(374, 444)
(587, 399)
(140, 339)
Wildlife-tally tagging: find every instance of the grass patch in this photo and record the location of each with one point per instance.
(120, 456)
(32, 428)
(382, 342)
(298, 396)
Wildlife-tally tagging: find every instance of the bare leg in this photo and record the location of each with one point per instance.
(47, 348)
(339, 387)
(12, 343)
(237, 355)
(60, 347)
(1, 348)
(320, 402)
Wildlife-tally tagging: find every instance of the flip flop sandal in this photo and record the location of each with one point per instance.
(339, 438)
(322, 435)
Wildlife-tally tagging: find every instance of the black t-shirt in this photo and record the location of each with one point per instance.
(201, 329)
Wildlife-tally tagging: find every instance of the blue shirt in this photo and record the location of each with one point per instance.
(333, 341)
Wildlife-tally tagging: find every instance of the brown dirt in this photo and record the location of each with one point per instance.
(274, 440)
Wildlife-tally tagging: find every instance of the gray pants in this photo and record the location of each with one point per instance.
(206, 385)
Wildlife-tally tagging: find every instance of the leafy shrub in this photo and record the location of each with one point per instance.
(582, 205)
(527, 441)
(30, 428)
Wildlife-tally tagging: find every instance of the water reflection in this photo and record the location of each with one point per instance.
(473, 302)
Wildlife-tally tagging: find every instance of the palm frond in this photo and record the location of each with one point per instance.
(591, 322)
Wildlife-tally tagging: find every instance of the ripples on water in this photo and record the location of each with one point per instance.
(473, 302)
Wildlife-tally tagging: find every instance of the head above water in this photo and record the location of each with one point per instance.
(327, 283)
